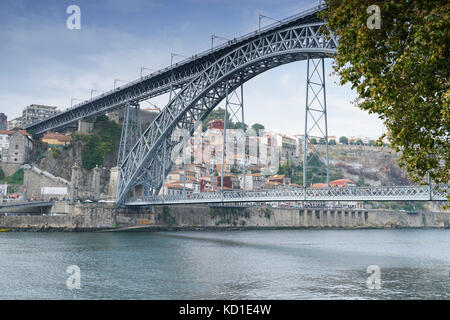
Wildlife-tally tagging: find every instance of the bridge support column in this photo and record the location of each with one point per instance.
(234, 112)
(95, 187)
(316, 126)
(74, 183)
(131, 130)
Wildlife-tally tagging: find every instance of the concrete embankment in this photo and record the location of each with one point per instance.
(95, 217)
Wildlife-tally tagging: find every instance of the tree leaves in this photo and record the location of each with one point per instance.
(401, 73)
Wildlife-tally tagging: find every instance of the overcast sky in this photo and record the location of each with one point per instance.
(43, 62)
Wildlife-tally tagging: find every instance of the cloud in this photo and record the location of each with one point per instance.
(44, 62)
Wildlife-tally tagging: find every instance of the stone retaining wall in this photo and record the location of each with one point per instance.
(64, 216)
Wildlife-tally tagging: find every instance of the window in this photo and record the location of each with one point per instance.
(17, 146)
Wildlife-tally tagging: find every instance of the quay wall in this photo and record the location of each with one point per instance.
(93, 217)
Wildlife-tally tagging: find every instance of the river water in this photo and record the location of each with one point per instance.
(257, 264)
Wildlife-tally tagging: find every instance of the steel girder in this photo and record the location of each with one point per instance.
(162, 81)
(394, 193)
(207, 89)
(131, 130)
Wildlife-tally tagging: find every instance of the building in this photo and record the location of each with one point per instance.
(280, 179)
(177, 189)
(3, 121)
(20, 146)
(230, 182)
(288, 147)
(15, 124)
(35, 112)
(4, 144)
(343, 183)
(253, 181)
(56, 139)
(216, 124)
(336, 183)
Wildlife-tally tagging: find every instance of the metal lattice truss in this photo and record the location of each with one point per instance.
(206, 90)
(315, 112)
(396, 193)
(169, 79)
(131, 130)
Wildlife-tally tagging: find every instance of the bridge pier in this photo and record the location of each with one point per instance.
(316, 111)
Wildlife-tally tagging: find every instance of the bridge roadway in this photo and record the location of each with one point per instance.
(162, 81)
(22, 205)
(394, 193)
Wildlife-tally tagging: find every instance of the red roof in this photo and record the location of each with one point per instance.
(8, 132)
(57, 136)
(319, 185)
(341, 182)
(24, 132)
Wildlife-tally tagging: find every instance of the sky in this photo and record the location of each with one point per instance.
(44, 62)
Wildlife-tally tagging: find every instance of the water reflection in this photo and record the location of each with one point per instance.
(263, 264)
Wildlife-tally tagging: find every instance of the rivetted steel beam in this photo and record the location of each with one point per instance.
(162, 81)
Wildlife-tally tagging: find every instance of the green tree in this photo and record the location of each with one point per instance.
(360, 182)
(105, 140)
(343, 140)
(313, 141)
(2, 174)
(257, 127)
(400, 72)
(332, 142)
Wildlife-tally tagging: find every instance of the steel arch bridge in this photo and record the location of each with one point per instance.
(147, 161)
(203, 82)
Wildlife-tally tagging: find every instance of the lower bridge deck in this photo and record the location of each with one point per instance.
(395, 193)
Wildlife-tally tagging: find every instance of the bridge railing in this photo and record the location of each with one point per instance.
(394, 193)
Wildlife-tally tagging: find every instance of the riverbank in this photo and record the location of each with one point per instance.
(105, 217)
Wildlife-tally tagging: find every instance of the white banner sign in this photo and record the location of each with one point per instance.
(3, 189)
(54, 191)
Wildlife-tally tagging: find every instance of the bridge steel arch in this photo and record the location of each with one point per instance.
(147, 162)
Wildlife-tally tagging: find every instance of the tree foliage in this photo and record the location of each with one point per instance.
(343, 140)
(257, 127)
(104, 140)
(401, 73)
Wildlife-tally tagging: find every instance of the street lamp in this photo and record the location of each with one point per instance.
(216, 37)
(72, 100)
(144, 68)
(172, 55)
(261, 16)
(116, 80)
(92, 91)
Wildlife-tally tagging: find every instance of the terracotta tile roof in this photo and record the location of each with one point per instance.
(24, 132)
(57, 136)
(8, 132)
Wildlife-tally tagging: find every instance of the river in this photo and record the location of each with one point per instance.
(248, 264)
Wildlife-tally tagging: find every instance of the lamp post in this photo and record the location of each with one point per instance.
(92, 91)
(72, 100)
(216, 37)
(117, 80)
(261, 16)
(172, 55)
(144, 68)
